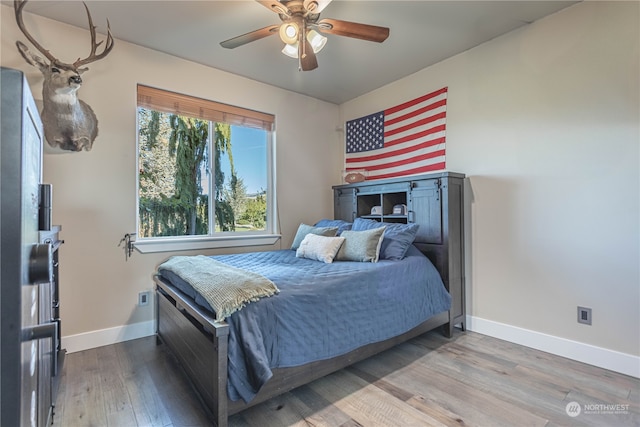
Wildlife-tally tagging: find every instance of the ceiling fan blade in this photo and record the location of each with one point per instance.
(250, 37)
(316, 6)
(353, 29)
(275, 6)
(308, 60)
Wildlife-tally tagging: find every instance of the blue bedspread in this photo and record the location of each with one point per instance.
(322, 310)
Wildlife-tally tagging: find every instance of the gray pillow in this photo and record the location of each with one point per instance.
(397, 237)
(304, 229)
(362, 246)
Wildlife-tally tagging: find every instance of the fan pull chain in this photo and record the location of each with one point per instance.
(301, 45)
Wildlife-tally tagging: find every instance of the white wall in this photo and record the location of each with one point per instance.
(94, 192)
(545, 123)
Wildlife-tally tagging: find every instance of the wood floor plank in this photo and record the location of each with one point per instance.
(284, 410)
(526, 395)
(461, 400)
(439, 412)
(367, 404)
(450, 381)
(555, 384)
(146, 402)
(381, 383)
(179, 397)
(469, 380)
(498, 362)
(84, 404)
(555, 365)
(503, 387)
(59, 404)
(330, 414)
(634, 394)
(117, 404)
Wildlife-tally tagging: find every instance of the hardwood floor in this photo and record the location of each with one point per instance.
(470, 380)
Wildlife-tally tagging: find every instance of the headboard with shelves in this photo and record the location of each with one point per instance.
(435, 202)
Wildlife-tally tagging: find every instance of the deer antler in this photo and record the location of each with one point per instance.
(19, 6)
(94, 46)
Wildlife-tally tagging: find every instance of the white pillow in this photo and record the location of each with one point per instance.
(319, 248)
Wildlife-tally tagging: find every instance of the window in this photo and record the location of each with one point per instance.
(204, 174)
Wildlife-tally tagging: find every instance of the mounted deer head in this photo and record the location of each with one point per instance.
(68, 122)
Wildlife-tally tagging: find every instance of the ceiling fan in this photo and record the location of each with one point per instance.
(299, 30)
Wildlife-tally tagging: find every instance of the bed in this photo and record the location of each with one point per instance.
(323, 317)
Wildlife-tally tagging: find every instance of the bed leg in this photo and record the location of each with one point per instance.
(221, 410)
(447, 330)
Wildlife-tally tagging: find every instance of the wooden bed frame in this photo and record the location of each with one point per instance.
(200, 342)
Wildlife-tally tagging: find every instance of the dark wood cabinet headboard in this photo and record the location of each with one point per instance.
(435, 202)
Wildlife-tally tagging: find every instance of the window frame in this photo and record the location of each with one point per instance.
(175, 103)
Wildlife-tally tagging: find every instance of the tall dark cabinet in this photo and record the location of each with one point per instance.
(30, 352)
(435, 202)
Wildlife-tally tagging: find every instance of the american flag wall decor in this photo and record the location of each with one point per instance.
(407, 139)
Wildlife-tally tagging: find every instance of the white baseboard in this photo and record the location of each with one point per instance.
(597, 356)
(93, 339)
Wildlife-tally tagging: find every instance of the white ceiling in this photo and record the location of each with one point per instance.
(422, 33)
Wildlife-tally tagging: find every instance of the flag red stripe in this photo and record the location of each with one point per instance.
(415, 101)
(391, 143)
(389, 122)
(407, 161)
(396, 152)
(423, 169)
(415, 124)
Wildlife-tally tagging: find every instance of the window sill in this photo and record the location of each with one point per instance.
(172, 244)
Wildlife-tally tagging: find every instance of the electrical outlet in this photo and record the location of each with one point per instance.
(584, 315)
(143, 298)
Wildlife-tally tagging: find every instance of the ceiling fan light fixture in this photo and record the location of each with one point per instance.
(317, 40)
(289, 32)
(291, 50)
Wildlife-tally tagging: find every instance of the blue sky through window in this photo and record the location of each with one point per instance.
(249, 147)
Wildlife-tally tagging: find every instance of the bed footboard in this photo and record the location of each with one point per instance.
(200, 344)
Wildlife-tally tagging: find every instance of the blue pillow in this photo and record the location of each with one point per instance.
(342, 225)
(304, 229)
(397, 237)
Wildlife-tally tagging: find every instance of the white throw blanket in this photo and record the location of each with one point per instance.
(227, 289)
